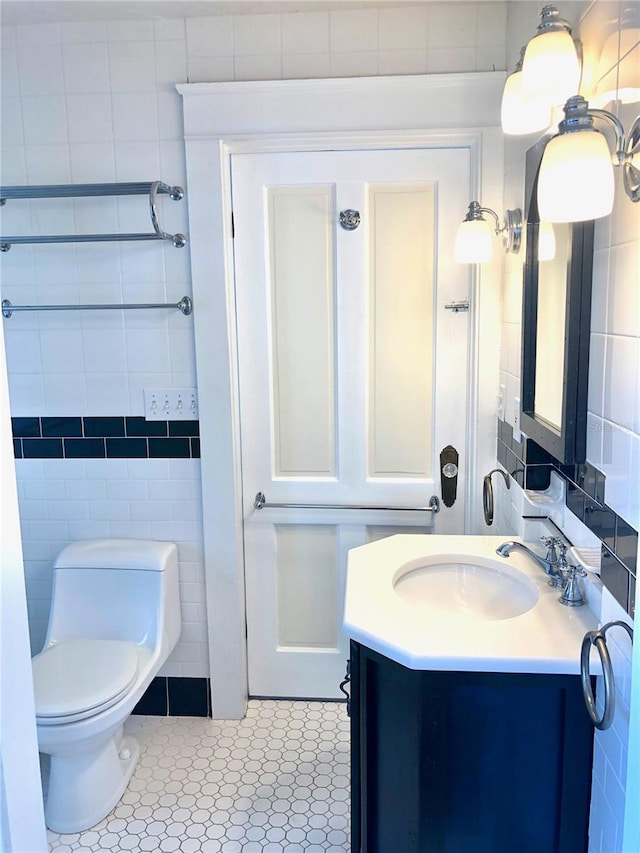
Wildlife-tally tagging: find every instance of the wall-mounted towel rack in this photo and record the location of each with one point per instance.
(185, 305)
(152, 189)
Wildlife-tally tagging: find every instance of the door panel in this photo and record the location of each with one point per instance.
(352, 379)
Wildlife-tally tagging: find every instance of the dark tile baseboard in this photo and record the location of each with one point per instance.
(104, 438)
(531, 467)
(176, 697)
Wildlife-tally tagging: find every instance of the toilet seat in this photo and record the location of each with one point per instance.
(76, 679)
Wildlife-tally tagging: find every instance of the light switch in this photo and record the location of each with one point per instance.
(171, 404)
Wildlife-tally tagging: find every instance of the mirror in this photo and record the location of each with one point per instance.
(556, 319)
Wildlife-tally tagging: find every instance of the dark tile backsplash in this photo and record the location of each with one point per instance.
(104, 438)
(530, 464)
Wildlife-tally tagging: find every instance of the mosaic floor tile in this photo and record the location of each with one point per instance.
(274, 782)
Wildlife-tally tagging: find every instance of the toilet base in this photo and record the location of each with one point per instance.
(84, 787)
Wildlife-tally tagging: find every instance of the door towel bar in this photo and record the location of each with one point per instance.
(185, 305)
(260, 502)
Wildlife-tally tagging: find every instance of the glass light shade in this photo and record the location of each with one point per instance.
(474, 242)
(521, 114)
(546, 242)
(551, 68)
(576, 181)
(619, 82)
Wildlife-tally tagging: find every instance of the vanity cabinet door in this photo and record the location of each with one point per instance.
(448, 762)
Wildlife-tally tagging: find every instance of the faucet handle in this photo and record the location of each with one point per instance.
(572, 594)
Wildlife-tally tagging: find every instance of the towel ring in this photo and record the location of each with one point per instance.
(599, 640)
(487, 494)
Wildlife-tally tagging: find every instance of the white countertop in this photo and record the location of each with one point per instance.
(545, 639)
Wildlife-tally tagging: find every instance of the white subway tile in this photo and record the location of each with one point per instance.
(21, 358)
(177, 531)
(134, 159)
(142, 262)
(107, 393)
(97, 265)
(38, 34)
(402, 29)
(186, 511)
(306, 66)
(40, 70)
(61, 352)
(13, 169)
(45, 531)
(491, 23)
(132, 66)
(170, 121)
(624, 290)
(599, 289)
(68, 510)
(87, 490)
(172, 489)
(109, 510)
(151, 510)
(353, 30)
(26, 392)
(171, 29)
(11, 127)
(92, 162)
(90, 118)
(392, 62)
(171, 64)
(256, 67)
(8, 39)
(255, 35)
(88, 530)
(64, 469)
(362, 64)
(130, 31)
(9, 83)
(106, 469)
(445, 60)
(44, 119)
(185, 469)
(46, 490)
(305, 32)
(620, 381)
(491, 58)
(86, 68)
(34, 510)
(151, 469)
(210, 36)
(104, 351)
(211, 69)
(616, 462)
(123, 529)
(84, 32)
(453, 25)
(135, 117)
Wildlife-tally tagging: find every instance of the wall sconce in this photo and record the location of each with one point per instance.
(576, 181)
(474, 239)
(551, 65)
(520, 113)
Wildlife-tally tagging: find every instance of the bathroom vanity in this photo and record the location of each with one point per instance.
(469, 731)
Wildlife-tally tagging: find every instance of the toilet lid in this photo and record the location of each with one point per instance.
(74, 678)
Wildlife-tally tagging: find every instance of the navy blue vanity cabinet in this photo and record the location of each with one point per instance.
(467, 762)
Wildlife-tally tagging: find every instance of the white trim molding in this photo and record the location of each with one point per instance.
(444, 110)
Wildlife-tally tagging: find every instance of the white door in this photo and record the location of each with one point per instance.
(353, 378)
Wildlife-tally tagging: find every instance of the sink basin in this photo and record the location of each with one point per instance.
(468, 588)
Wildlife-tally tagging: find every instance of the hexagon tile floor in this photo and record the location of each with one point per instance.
(275, 782)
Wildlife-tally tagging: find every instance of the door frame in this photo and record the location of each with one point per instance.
(222, 119)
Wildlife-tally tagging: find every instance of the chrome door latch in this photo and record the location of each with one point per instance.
(457, 306)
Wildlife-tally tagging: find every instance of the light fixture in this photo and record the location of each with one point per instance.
(576, 181)
(620, 80)
(551, 66)
(474, 239)
(521, 113)
(546, 241)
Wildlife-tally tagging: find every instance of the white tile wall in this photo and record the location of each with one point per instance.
(613, 431)
(92, 102)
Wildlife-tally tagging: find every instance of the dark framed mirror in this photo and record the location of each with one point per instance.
(556, 321)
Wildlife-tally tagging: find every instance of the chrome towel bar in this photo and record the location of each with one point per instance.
(185, 305)
(260, 502)
(599, 640)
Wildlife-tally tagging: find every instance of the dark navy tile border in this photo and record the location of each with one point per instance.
(530, 464)
(176, 697)
(104, 438)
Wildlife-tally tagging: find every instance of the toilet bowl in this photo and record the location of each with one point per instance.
(113, 622)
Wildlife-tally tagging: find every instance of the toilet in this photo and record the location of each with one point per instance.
(113, 622)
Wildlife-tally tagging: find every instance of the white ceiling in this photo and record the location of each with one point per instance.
(15, 12)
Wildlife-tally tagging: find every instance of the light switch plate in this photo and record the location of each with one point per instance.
(170, 404)
(517, 435)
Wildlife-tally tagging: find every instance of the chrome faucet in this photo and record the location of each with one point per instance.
(554, 564)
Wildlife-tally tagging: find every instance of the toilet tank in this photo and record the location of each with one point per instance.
(116, 589)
